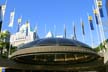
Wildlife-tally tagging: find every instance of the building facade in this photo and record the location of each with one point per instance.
(24, 35)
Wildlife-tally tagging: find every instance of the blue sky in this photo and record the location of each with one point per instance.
(50, 12)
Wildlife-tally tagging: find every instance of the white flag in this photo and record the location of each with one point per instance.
(3, 10)
(19, 20)
(35, 29)
(11, 19)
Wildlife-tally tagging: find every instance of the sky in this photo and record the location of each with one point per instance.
(47, 13)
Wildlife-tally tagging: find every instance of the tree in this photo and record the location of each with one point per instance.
(4, 41)
(102, 46)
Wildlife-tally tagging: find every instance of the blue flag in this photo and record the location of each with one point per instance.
(91, 22)
(101, 12)
(99, 4)
(96, 17)
(91, 25)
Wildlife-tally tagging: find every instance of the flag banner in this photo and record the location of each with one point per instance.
(27, 28)
(54, 30)
(36, 29)
(99, 5)
(3, 10)
(82, 23)
(64, 31)
(91, 25)
(11, 19)
(101, 12)
(2, 69)
(96, 17)
(91, 22)
(19, 20)
(74, 33)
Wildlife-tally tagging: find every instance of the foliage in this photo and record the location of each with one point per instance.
(101, 46)
(4, 42)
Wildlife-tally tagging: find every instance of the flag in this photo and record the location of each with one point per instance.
(96, 16)
(18, 28)
(3, 10)
(101, 12)
(74, 33)
(19, 22)
(11, 18)
(27, 28)
(35, 32)
(0, 19)
(91, 22)
(2, 69)
(64, 31)
(54, 30)
(82, 23)
(99, 5)
(35, 29)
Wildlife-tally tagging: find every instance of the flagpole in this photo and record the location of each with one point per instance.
(90, 33)
(100, 24)
(96, 29)
(45, 29)
(54, 30)
(82, 30)
(9, 50)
